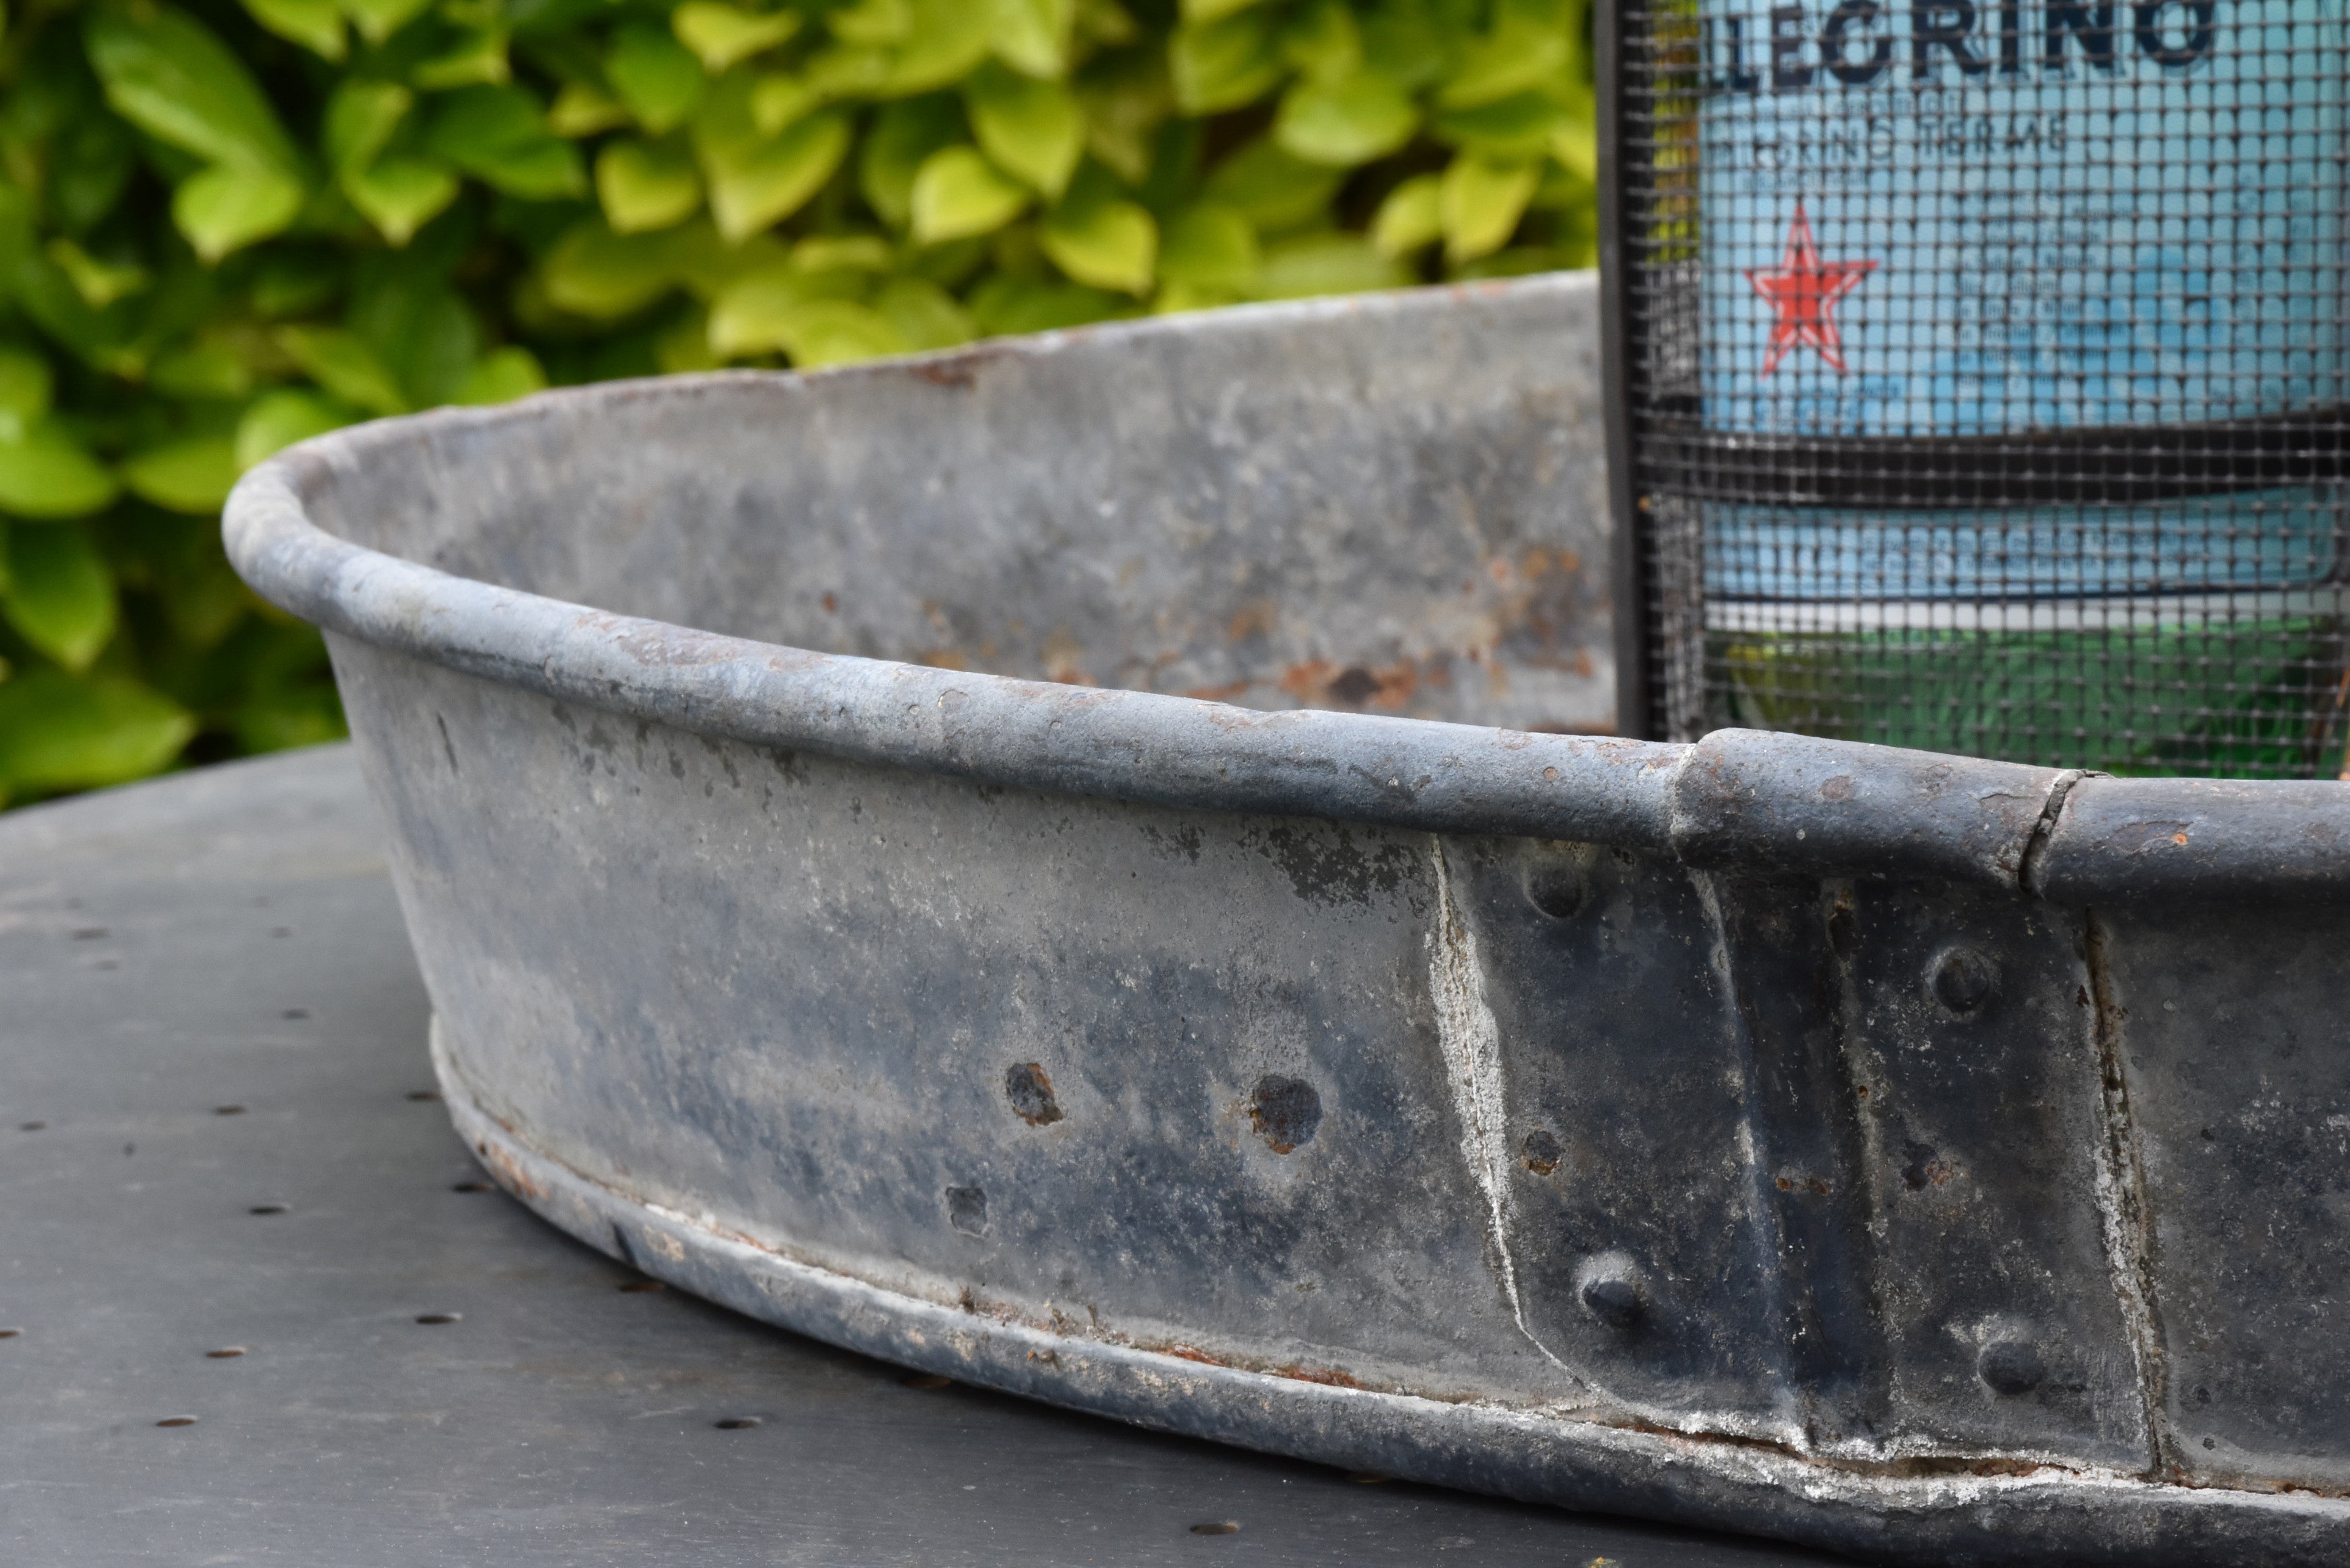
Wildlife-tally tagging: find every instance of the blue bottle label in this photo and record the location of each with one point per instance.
(1942, 218)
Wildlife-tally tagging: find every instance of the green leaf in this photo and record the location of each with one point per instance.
(503, 375)
(756, 190)
(98, 281)
(924, 315)
(360, 120)
(958, 192)
(340, 361)
(380, 19)
(873, 23)
(1410, 217)
(167, 74)
(1033, 37)
(844, 252)
(1482, 199)
(1225, 64)
(948, 38)
(1575, 144)
(720, 35)
(26, 384)
(1272, 188)
(763, 311)
(1518, 54)
(497, 135)
(582, 108)
(1195, 11)
(1519, 126)
(315, 25)
(215, 368)
(1004, 304)
(224, 209)
(479, 55)
(657, 77)
(1328, 264)
(643, 186)
(840, 332)
(399, 194)
(60, 597)
(777, 100)
(59, 732)
(1346, 121)
(595, 272)
(902, 139)
(1109, 245)
(1323, 41)
(90, 162)
(1027, 127)
(279, 418)
(46, 473)
(1210, 246)
(192, 475)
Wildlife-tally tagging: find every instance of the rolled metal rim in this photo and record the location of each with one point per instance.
(1735, 797)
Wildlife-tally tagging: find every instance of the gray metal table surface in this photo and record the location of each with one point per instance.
(263, 1306)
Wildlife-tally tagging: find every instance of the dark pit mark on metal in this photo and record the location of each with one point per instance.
(736, 1423)
(1555, 886)
(927, 1380)
(30, 1127)
(472, 1187)
(1962, 980)
(639, 1287)
(269, 1209)
(10, 1333)
(1541, 1152)
(1031, 1094)
(1217, 1527)
(1613, 1296)
(1285, 1112)
(177, 1421)
(225, 1353)
(423, 1094)
(293, 1013)
(435, 1319)
(967, 1210)
(2011, 1366)
(228, 1110)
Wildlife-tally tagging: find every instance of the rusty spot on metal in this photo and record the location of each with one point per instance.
(1319, 682)
(1192, 1352)
(1031, 1094)
(1837, 788)
(1817, 1186)
(1541, 1152)
(1285, 1112)
(1328, 1376)
(2137, 837)
(510, 1173)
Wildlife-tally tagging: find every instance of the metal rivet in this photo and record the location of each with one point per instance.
(2011, 1366)
(1962, 980)
(1611, 1291)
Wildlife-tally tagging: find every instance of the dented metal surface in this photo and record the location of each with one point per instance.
(1883, 1150)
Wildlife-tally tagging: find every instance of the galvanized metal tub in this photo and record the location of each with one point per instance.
(1943, 1160)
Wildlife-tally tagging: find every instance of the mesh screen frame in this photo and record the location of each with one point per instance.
(2063, 484)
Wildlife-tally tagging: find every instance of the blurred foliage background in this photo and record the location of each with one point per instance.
(229, 224)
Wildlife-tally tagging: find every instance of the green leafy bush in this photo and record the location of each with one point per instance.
(225, 228)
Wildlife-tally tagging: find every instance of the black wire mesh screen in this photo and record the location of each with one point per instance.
(1984, 374)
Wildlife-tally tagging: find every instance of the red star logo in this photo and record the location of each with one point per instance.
(1803, 291)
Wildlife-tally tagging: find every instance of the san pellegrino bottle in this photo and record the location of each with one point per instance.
(2021, 340)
